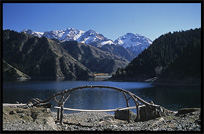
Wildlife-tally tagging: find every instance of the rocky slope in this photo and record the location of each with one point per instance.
(119, 51)
(93, 58)
(9, 72)
(41, 57)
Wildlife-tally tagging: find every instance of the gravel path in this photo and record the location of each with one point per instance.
(40, 119)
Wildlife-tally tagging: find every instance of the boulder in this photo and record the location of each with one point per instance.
(125, 115)
(150, 112)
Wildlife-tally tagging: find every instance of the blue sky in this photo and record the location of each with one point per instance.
(110, 19)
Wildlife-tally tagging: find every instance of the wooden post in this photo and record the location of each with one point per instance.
(58, 113)
(58, 106)
(128, 111)
(137, 107)
(61, 114)
(61, 102)
(138, 112)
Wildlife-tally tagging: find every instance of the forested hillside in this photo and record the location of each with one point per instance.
(172, 56)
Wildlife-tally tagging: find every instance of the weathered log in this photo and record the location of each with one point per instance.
(45, 105)
(187, 110)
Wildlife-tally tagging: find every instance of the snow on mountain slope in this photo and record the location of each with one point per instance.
(38, 34)
(92, 37)
(64, 35)
(134, 42)
(70, 34)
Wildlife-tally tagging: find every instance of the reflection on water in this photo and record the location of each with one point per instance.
(170, 97)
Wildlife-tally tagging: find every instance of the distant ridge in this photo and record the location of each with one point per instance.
(134, 43)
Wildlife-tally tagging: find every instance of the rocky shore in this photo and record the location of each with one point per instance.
(43, 119)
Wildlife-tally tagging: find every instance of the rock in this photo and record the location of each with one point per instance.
(19, 110)
(107, 118)
(47, 110)
(162, 129)
(187, 110)
(150, 112)
(12, 112)
(21, 115)
(34, 116)
(125, 115)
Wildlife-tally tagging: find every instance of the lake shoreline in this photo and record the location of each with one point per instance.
(154, 81)
(43, 119)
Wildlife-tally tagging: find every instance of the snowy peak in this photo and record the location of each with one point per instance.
(94, 38)
(89, 36)
(91, 32)
(134, 42)
(64, 35)
(70, 34)
(28, 31)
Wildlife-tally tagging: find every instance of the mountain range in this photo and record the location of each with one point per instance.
(68, 53)
(41, 57)
(134, 43)
(171, 58)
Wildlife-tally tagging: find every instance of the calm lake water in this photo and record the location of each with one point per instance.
(170, 97)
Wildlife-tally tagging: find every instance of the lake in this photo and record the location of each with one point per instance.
(170, 97)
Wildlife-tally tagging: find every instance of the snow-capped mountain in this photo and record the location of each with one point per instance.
(64, 35)
(134, 42)
(93, 38)
(88, 37)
